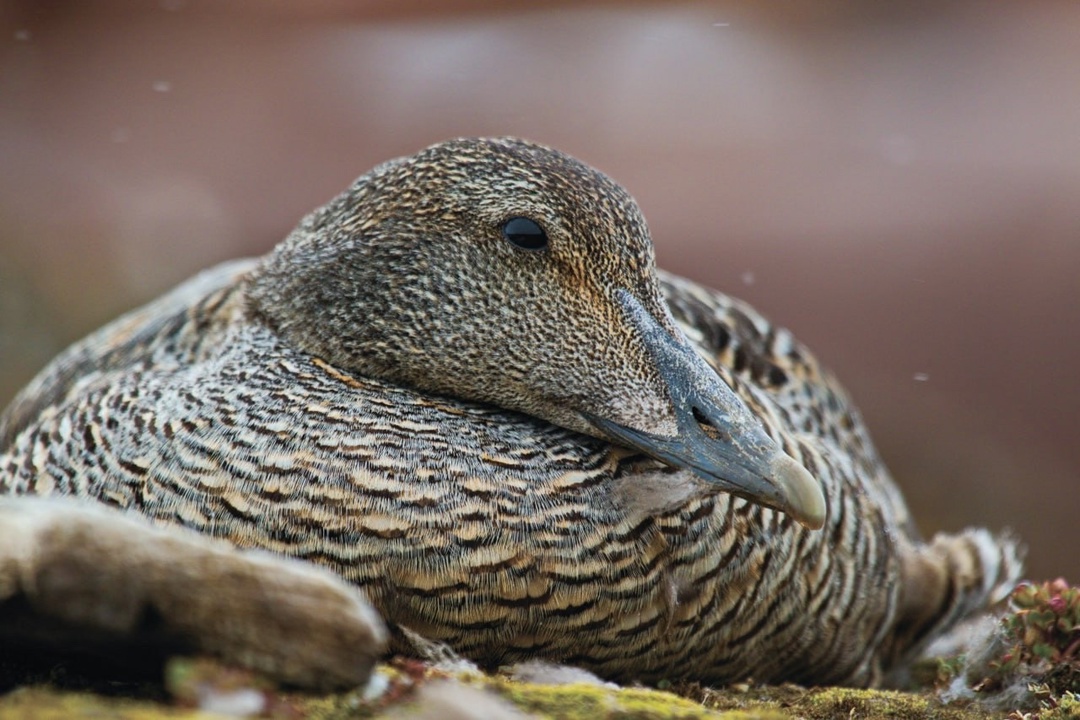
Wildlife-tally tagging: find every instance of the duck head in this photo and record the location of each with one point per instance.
(505, 272)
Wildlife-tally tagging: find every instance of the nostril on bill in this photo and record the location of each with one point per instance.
(708, 428)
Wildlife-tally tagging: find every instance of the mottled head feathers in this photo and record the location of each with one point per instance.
(407, 277)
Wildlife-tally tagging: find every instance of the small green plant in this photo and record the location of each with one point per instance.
(1044, 629)
(942, 672)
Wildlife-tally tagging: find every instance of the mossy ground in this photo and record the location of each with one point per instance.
(401, 679)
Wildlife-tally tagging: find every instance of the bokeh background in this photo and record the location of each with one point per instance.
(897, 182)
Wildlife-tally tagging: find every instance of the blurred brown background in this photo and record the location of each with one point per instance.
(896, 182)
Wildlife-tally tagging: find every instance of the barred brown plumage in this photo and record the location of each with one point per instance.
(462, 429)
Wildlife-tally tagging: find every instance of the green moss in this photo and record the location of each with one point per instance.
(687, 702)
(871, 705)
(593, 701)
(42, 703)
(792, 701)
(1068, 709)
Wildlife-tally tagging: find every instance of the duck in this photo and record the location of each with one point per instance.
(464, 387)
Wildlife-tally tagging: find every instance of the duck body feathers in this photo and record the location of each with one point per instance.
(504, 536)
(501, 534)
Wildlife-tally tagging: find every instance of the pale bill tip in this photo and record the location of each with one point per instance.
(802, 492)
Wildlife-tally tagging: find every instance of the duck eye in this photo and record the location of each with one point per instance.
(525, 234)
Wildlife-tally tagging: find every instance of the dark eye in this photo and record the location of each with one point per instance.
(525, 234)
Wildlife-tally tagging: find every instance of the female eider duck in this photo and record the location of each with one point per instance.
(464, 387)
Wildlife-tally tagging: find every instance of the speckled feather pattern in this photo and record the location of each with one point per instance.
(501, 534)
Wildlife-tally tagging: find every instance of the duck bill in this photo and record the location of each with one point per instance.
(741, 459)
